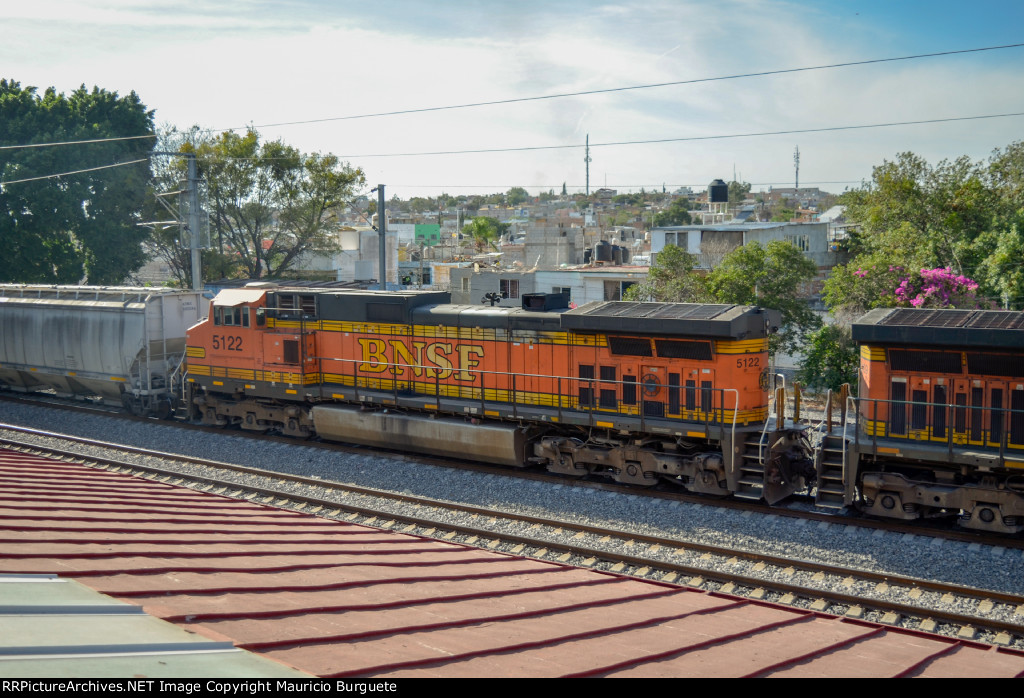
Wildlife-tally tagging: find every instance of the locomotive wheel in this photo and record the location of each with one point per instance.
(566, 465)
(251, 422)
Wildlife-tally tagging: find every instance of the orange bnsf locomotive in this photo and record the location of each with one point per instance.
(940, 417)
(640, 392)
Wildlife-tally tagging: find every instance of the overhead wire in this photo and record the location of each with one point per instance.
(534, 98)
(652, 141)
(583, 93)
(73, 172)
(92, 140)
(569, 94)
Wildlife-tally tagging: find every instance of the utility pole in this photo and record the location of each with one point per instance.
(382, 232)
(586, 160)
(193, 222)
(796, 164)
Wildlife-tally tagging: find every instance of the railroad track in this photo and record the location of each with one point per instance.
(799, 507)
(950, 609)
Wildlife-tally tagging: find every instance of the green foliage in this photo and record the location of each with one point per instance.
(484, 233)
(79, 226)
(1002, 270)
(958, 214)
(672, 280)
(270, 204)
(772, 276)
(419, 204)
(738, 191)
(784, 215)
(830, 359)
(676, 214)
(517, 195)
(850, 292)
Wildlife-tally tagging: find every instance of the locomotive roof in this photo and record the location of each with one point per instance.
(946, 327)
(721, 321)
(696, 319)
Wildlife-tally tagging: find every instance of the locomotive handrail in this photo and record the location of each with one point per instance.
(851, 403)
(709, 413)
(950, 424)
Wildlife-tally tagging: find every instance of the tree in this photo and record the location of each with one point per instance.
(1002, 270)
(922, 216)
(483, 232)
(676, 214)
(738, 191)
(517, 195)
(269, 203)
(671, 279)
(77, 226)
(830, 359)
(772, 276)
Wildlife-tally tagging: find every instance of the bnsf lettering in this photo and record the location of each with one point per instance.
(227, 342)
(432, 360)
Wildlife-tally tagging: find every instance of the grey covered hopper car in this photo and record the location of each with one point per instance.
(125, 345)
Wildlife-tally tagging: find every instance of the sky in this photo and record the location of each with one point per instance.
(268, 65)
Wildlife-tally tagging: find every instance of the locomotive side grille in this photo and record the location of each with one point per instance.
(1006, 365)
(629, 346)
(671, 349)
(385, 312)
(925, 361)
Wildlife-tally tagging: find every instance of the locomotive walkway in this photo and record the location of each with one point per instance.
(338, 599)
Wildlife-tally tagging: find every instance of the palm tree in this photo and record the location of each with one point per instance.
(483, 233)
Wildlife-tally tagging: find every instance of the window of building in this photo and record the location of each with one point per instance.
(614, 290)
(509, 288)
(801, 242)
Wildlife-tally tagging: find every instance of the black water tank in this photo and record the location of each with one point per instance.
(603, 251)
(718, 192)
(616, 254)
(625, 255)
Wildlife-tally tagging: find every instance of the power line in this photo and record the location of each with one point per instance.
(584, 93)
(686, 139)
(535, 98)
(94, 140)
(74, 172)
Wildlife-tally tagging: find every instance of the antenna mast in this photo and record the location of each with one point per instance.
(796, 164)
(586, 160)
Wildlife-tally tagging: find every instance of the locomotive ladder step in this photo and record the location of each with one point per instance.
(829, 465)
(750, 484)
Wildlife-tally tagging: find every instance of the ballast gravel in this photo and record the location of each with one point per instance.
(982, 567)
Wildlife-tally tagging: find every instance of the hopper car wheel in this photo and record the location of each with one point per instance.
(164, 409)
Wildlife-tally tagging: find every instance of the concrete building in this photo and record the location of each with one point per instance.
(710, 243)
(584, 284)
(358, 258)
